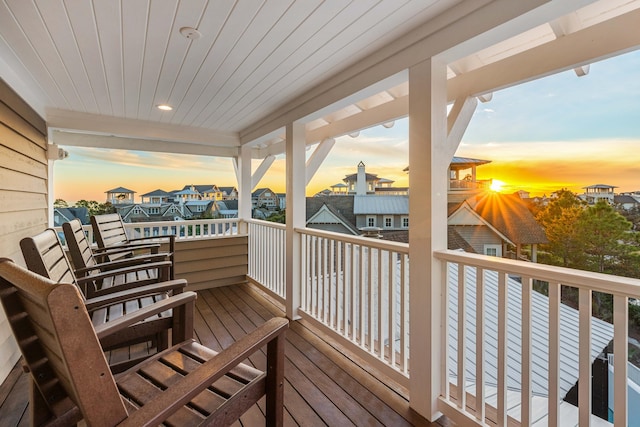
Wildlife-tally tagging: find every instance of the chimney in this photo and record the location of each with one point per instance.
(361, 180)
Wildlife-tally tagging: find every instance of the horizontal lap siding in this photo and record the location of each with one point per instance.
(23, 192)
(210, 263)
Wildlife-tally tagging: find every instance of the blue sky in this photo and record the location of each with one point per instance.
(561, 131)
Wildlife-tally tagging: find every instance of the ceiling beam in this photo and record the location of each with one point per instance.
(585, 46)
(123, 143)
(106, 125)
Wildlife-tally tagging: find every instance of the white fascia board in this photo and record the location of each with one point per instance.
(114, 142)
(143, 129)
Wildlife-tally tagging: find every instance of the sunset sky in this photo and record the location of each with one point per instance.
(558, 132)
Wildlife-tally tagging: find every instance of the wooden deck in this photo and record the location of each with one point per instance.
(323, 386)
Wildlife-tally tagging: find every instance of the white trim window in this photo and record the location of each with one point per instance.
(493, 250)
(371, 221)
(388, 222)
(404, 221)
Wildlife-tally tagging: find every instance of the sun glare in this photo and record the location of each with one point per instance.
(496, 185)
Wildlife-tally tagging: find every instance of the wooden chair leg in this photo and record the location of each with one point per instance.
(275, 381)
(38, 409)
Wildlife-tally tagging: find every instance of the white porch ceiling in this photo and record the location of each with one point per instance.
(99, 68)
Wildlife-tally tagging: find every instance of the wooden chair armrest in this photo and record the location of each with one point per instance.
(138, 292)
(129, 319)
(125, 247)
(178, 394)
(119, 271)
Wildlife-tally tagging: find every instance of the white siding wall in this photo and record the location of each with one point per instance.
(23, 192)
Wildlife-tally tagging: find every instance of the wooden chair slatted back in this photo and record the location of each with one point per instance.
(78, 244)
(59, 345)
(109, 230)
(44, 255)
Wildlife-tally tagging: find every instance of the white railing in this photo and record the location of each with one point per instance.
(194, 229)
(358, 288)
(519, 343)
(267, 256)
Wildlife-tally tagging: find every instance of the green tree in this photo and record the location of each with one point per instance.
(603, 232)
(560, 219)
(96, 208)
(60, 203)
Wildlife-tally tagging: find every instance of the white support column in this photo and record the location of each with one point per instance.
(428, 162)
(261, 170)
(243, 174)
(295, 214)
(319, 154)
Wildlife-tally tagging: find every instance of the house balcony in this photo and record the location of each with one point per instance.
(349, 352)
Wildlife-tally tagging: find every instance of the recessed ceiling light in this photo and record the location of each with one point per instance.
(164, 107)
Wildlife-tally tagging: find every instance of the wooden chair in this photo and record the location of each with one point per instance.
(135, 271)
(109, 232)
(45, 256)
(185, 385)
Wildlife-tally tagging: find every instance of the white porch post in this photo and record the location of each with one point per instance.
(428, 230)
(243, 174)
(295, 213)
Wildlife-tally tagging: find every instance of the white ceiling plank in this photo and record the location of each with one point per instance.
(201, 55)
(139, 144)
(159, 30)
(109, 26)
(83, 23)
(16, 21)
(60, 30)
(293, 17)
(236, 24)
(280, 74)
(177, 52)
(582, 47)
(94, 123)
(134, 29)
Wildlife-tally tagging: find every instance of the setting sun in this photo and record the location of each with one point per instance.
(496, 185)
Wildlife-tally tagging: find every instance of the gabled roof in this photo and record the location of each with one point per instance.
(228, 190)
(157, 193)
(258, 192)
(510, 215)
(330, 219)
(120, 190)
(341, 206)
(203, 188)
(625, 199)
(82, 213)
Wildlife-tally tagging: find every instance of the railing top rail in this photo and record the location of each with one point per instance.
(357, 240)
(600, 282)
(265, 223)
(178, 223)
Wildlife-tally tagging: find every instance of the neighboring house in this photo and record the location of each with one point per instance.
(626, 202)
(265, 197)
(228, 208)
(229, 193)
(157, 197)
(332, 214)
(62, 215)
(282, 200)
(120, 195)
(594, 193)
(385, 212)
(492, 222)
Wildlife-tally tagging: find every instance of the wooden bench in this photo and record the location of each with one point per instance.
(185, 385)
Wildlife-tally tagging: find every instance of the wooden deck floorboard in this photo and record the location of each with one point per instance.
(322, 385)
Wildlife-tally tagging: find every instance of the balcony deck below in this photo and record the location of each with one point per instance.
(323, 386)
